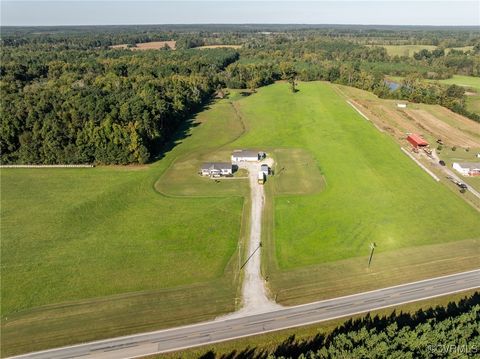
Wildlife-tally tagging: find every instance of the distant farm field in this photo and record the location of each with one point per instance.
(410, 50)
(219, 46)
(470, 83)
(153, 45)
(406, 50)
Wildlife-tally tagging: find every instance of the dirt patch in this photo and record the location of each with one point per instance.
(449, 134)
(455, 130)
(219, 46)
(154, 45)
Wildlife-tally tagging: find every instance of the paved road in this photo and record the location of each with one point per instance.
(221, 330)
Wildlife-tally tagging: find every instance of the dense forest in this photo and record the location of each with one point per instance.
(67, 97)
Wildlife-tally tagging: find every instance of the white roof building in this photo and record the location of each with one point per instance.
(216, 169)
(245, 155)
(467, 168)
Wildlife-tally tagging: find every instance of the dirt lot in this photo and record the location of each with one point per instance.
(433, 122)
(154, 45)
(219, 46)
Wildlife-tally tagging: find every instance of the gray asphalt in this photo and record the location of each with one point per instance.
(221, 330)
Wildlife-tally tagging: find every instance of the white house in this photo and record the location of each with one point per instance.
(216, 169)
(401, 105)
(246, 155)
(467, 168)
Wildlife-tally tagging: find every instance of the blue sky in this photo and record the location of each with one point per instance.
(111, 12)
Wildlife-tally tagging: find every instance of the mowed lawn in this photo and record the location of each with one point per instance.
(86, 253)
(373, 192)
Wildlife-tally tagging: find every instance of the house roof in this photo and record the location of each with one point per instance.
(216, 166)
(470, 165)
(417, 139)
(245, 153)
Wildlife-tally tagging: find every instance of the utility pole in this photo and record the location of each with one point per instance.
(372, 248)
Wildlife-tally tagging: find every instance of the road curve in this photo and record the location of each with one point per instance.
(221, 330)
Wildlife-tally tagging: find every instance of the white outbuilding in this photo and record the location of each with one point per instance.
(265, 169)
(245, 155)
(467, 168)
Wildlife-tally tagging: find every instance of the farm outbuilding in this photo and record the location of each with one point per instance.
(216, 169)
(265, 169)
(261, 177)
(416, 141)
(246, 155)
(401, 105)
(467, 168)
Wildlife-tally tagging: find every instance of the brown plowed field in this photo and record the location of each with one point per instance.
(433, 122)
(154, 45)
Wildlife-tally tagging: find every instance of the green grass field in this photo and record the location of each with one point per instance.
(406, 50)
(92, 253)
(373, 190)
(102, 248)
(318, 244)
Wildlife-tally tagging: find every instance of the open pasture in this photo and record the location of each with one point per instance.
(373, 193)
(97, 252)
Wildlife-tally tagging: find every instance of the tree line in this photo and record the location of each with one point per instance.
(68, 98)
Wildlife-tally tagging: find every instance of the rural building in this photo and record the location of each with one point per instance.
(401, 105)
(467, 168)
(261, 177)
(265, 169)
(416, 141)
(246, 155)
(216, 169)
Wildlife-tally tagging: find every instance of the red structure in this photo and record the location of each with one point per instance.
(416, 140)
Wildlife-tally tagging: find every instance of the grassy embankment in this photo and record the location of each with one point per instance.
(318, 244)
(94, 253)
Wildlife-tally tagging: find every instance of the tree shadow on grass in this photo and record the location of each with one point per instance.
(182, 132)
(293, 347)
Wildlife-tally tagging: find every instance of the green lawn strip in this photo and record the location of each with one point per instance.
(296, 172)
(265, 344)
(74, 234)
